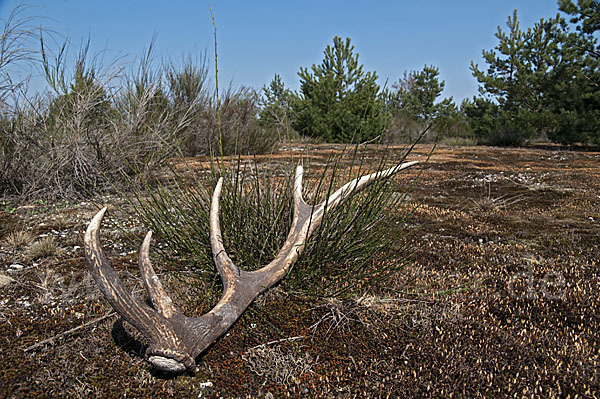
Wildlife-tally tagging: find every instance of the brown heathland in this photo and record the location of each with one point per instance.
(501, 298)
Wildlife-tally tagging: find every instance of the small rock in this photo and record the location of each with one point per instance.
(205, 387)
(5, 280)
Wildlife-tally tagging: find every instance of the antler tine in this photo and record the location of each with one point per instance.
(299, 203)
(161, 301)
(307, 219)
(227, 269)
(167, 351)
(132, 309)
(358, 184)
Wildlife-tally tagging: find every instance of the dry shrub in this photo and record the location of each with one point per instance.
(74, 140)
(449, 130)
(237, 132)
(99, 123)
(427, 315)
(369, 311)
(85, 138)
(62, 221)
(54, 286)
(405, 129)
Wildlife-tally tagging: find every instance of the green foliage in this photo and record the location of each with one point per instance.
(256, 215)
(577, 88)
(498, 117)
(188, 84)
(416, 94)
(80, 99)
(542, 82)
(338, 101)
(495, 126)
(586, 14)
(276, 105)
(414, 104)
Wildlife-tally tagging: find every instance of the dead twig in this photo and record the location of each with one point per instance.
(291, 339)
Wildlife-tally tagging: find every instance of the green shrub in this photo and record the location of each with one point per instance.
(359, 243)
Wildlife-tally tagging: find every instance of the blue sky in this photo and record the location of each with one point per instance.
(257, 39)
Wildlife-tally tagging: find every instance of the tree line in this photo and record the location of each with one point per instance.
(541, 83)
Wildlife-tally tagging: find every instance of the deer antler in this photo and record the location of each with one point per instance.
(176, 340)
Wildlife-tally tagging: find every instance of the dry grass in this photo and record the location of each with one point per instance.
(488, 202)
(61, 221)
(43, 248)
(18, 239)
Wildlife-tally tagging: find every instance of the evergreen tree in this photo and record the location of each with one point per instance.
(577, 78)
(539, 82)
(338, 101)
(505, 91)
(416, 93)
(586, 14)
(276, 102)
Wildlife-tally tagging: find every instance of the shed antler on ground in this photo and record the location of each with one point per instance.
(176, 340)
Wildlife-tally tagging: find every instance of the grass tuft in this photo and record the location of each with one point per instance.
(18, 239)
(44, 248)
(278, 366)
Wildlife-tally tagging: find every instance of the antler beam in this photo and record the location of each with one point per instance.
(175, 339)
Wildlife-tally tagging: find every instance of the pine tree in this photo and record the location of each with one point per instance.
(276, 102)
(539, 82)
(586, 14)
(338, 101)
(577, 90)
(498, 114)
(415, 95)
